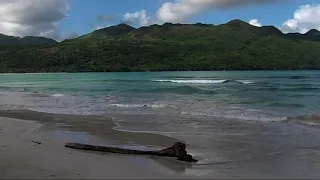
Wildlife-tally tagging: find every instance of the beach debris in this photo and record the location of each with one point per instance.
(37, 142)
(177, 150)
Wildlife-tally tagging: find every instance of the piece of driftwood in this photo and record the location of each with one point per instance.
(177, 150)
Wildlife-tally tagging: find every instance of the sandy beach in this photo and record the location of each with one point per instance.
(25, 154)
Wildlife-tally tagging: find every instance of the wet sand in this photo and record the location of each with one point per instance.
(26, 154)
(96, 126)
(239, 150)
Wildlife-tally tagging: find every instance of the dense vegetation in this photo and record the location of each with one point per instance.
(232, 46)
(28, 40)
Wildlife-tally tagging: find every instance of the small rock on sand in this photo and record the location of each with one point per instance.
(37, 142)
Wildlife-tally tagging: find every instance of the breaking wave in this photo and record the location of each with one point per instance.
(58, 95)
(140, 105)
(181, 90)
(206, 81)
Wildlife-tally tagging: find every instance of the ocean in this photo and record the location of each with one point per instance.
(240, 123)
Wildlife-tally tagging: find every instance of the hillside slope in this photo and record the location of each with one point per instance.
(235, 45)
(28, 40)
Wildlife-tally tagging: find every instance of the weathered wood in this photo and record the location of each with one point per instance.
(177, 150)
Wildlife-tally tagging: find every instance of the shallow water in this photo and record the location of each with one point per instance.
(242, 123)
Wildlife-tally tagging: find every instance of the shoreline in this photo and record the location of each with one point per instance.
(95, 126)
(227, 70)
(234, 130)
(26, 153)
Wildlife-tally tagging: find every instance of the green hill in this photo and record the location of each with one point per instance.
(28, 40)
(235, 45)
(312, 35)
(110, 32)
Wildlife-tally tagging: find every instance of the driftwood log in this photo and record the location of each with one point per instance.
(177, 150)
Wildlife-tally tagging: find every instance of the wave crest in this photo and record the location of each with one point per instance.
(205, 81)
(58, 95)
(140, 105)
(181, 90)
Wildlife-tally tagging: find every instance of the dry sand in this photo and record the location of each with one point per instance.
(22, 158)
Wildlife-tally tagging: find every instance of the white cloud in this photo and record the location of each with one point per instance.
(182, 10)
(305, 18)
(131, 18)
(144, 19)
(32, 17)
(255, 22)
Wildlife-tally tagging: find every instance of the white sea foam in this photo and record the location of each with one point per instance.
(246, 81)
(205, 81)
(235, 115)
(308, 123)
(139, 105)
(195, 81)
(58, 95)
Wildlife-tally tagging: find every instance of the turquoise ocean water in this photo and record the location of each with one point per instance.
(247, 95)
(252, 113)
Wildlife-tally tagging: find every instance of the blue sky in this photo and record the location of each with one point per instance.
(82, 15)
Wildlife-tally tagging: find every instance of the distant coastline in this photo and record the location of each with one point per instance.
(229, 70)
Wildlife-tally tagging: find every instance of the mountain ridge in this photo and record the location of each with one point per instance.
(6, 40)
(235, 45)
(151, 31)
(123, 30)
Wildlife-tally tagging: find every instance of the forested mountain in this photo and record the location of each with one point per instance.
(28, 40)
(235, 45)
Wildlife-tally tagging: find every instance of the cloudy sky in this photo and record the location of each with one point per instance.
(61, 19)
